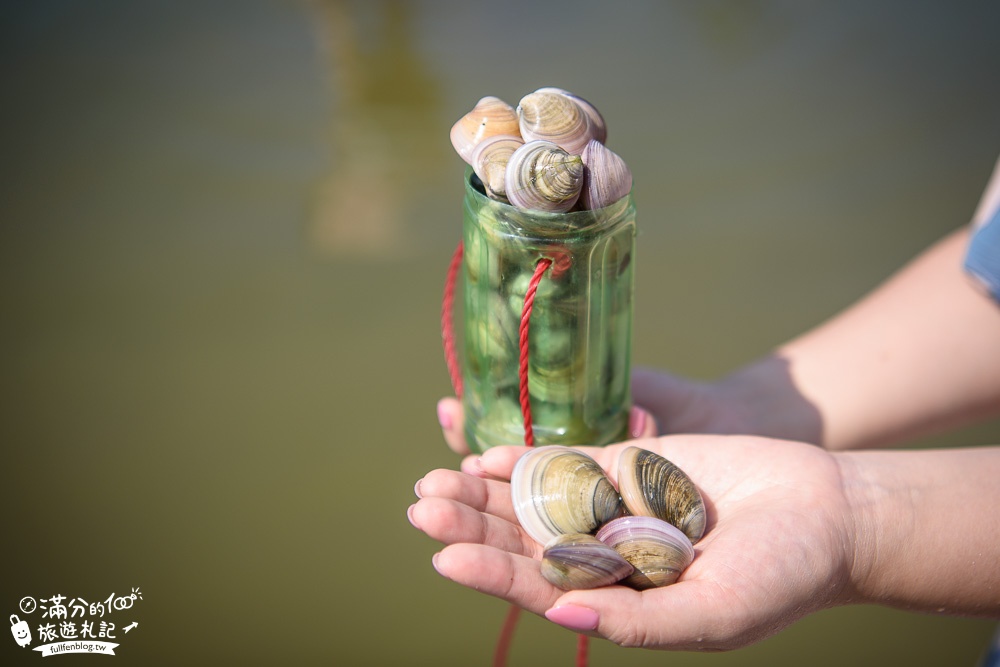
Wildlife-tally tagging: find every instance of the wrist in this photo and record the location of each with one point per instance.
(924, 533)
(871, 499)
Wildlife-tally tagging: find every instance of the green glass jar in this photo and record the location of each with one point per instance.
(580, 334)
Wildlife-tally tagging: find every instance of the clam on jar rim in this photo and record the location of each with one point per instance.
(547, 223)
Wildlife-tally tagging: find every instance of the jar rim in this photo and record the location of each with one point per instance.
(546, 223)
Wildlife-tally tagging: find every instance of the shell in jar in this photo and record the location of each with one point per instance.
(606, 178)
(598, 128)
(491, 116)
(489, 160)
(541, 176)
(553, 116)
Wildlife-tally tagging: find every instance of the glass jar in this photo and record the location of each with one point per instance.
(580, 333)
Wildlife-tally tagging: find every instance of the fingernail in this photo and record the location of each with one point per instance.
(444, 417)
(416, 488)
(409, 517)
(573, 617)
(637, 422)
(434, 562)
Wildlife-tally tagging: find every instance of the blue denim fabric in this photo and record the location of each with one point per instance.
(982, 259)
(992, 656)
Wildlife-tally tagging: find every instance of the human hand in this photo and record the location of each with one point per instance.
(452, 418)
(779, 545)
(667, 403)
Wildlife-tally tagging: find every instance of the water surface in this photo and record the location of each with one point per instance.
(225, 228)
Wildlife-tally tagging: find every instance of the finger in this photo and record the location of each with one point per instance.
(699, 616)
(452, 522)
(452, 420)
(484, 495)
(499, 461)
(641, 423)
(470, 466)
(510, 577)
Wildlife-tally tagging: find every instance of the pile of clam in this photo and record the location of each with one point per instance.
(548, 154)
(645, 530)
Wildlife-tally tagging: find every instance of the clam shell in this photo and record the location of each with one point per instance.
(598, 127)
(578, 561)
(543, 177)
(606, 178)
(489, 160)
(653, 486)
(491, 116)
(658, 551)
(557, 490)
(556, 117)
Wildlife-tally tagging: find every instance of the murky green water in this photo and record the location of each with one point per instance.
(224, 231)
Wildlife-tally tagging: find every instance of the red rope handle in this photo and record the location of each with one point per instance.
(522, 373)
(448, 320)
(454, 370)
(506, 636)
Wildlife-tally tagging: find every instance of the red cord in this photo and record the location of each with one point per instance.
(451, 359)
(506, 636)
(448, 321)
(529, 304)
(582, 648)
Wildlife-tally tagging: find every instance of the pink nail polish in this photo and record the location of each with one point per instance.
(638, 423)
(573, 617)
(444, 417)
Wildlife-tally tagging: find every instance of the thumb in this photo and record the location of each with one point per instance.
(687, 615)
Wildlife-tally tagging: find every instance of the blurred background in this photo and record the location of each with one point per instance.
(225, 228)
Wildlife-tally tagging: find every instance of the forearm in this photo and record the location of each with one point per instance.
(919, 355)
(927, 529)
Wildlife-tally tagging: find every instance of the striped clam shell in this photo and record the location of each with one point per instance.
(658, 551)
(606, 178)
(543, 177)
(598, 127)
(491, 116)
(577, 561)
(489, 160)
(652, 486)
(556, 117)
(557, 490)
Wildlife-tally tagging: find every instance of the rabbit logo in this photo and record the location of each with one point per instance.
(19, 628)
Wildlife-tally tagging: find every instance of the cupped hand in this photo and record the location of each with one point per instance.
(779, 545)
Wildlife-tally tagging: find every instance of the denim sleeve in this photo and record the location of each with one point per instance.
(982, 259)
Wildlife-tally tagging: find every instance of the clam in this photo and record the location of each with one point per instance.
(652, 486)
(557, 490)
(606, 178)
(598, 127)
(553, 116)
(577, 561)
(491, 116)
(658, 551)
(489, 160)
(493, 335)
(542, 176)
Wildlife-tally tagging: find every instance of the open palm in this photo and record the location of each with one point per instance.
(779, 543)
